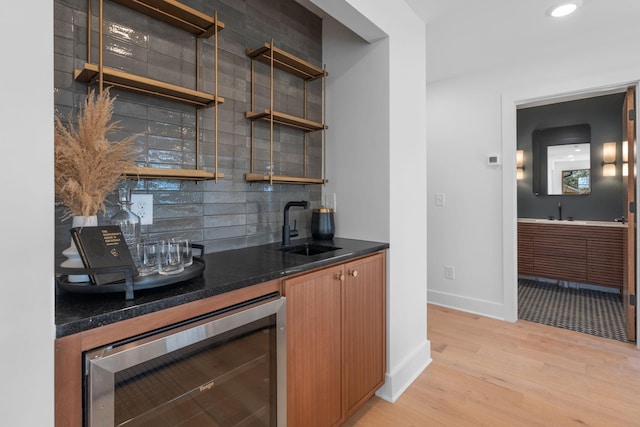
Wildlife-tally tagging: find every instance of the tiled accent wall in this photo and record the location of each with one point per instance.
(231, 213)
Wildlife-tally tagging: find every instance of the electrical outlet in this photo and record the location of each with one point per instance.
(142, 205)
(449, 272)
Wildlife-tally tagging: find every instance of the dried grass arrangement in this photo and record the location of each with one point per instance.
(87, 165)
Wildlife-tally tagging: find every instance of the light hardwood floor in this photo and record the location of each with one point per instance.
(487, 372)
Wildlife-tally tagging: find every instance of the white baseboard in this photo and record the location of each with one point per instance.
(397, 381)
(470, 305)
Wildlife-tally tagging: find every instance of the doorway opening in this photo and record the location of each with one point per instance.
(575, 266)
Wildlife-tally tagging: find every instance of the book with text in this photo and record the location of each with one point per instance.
(103, 246)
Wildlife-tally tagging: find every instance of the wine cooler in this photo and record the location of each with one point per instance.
(224, 369)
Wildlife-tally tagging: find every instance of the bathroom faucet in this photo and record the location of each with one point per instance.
(559, 211)
(287, 233)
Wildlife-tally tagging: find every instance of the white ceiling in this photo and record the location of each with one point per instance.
(471, 35)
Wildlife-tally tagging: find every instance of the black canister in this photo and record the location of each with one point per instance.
(322, 224)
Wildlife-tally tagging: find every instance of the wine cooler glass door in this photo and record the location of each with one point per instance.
(225, 370)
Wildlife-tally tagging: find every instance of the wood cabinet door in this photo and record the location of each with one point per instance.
(363, 329)
(314, 348)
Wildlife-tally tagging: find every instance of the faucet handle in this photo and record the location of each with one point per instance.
(294, 232)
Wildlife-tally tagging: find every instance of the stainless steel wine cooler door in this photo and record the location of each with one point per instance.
(225, 370)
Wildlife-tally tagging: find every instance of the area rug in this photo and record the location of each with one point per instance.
(582, 310)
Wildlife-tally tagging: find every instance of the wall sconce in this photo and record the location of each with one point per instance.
(520, 164)
(609, 159)
(625, 158)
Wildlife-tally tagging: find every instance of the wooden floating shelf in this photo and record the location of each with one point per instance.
(287, 62)
(176, 14)
(286, 119)
(185, 174)
(118, 78)
(282, 179)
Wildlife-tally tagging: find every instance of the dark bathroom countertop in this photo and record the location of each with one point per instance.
(223, 272)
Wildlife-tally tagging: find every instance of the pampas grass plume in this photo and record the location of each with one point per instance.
(88, 166)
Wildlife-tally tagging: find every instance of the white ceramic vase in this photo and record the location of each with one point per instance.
(71, 253)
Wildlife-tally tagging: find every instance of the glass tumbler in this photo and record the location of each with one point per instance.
(148, 258)
(187, 254)
(170, 260)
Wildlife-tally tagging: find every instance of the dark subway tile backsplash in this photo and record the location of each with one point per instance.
(231, 213)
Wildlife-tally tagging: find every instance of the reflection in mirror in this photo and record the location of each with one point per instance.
(561, 160)
(568, 169)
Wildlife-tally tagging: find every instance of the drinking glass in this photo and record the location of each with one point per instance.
(187, 254)
(170, 260)
(148, 258)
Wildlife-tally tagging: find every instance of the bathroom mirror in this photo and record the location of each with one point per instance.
(568, 169)
(562, 160)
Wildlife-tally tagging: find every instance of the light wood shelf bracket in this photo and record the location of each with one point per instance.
(283, 179)
(177, 14)
(287, 62)
(170, 173)
(286, 119)
(113, 77)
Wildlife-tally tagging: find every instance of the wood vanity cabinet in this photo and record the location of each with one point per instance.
(573, 252)
(335, 340)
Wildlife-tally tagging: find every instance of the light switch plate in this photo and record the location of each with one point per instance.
(142, 205)
(449, 272)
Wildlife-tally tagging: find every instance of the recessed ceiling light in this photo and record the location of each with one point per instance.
(564, 8)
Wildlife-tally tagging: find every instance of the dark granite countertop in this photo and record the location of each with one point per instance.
(224, 271)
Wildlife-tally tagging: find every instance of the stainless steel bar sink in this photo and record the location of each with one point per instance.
(308, 249)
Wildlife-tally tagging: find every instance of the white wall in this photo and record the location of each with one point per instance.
(377, 159)
(468, 118)
(26, 254)
(461, 134)
(358, 142)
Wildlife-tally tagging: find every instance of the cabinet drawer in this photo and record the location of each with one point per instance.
(560, 247)
(574, 270)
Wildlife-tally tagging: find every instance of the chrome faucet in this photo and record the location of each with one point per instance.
(287, 232)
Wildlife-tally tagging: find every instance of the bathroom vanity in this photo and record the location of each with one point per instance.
(588, 252)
